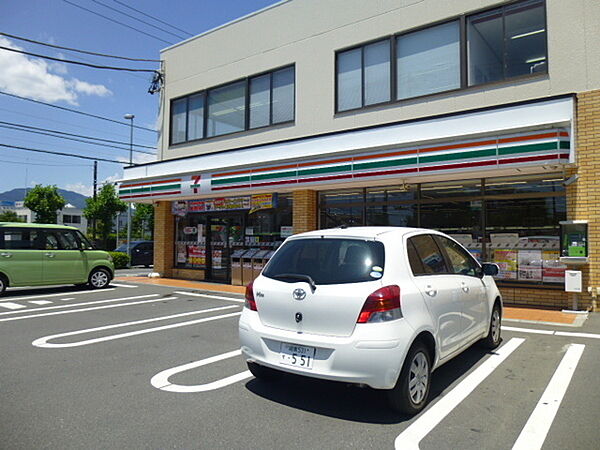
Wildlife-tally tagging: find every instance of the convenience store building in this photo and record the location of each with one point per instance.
(309, 115)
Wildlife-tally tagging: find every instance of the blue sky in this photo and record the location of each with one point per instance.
(101, 92)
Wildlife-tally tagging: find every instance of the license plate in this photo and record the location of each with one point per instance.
(297, 355)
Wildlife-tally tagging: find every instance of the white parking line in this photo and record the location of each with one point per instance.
(553, 332)
(123, 285)
(40, 302)
(43, 341)
(409, 439)
(67, 299)
(536, 429)
(10, 305)
(71, 311)
(231, 299)
(161, 379)
(98, 291)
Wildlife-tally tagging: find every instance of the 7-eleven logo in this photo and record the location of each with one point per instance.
(196, 183)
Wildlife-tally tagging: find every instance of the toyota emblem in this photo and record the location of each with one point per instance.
(299, 294)
(298, 317)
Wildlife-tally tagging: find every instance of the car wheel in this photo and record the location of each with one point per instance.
(262, 372)
(411, 392)
(493, 338)
(3, 284)
(99, 279)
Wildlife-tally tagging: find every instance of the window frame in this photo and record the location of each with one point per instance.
(247, 128)
(463, 63)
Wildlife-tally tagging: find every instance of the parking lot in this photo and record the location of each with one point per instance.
(138, 366)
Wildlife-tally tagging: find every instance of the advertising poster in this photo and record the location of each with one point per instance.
(530, 265)
(262, 201)
(217, 259)
(553, 271)
(286, 231)
(507, 262)
(181, 253)
(475, 253)
(196, 255)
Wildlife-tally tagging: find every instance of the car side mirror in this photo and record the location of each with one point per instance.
(490, 269)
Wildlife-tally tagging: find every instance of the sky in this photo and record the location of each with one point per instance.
(106, 93)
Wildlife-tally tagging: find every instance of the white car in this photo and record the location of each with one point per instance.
(376, 306)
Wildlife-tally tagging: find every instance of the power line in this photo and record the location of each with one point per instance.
(77, 112)
(116, 21)
(46, 165)
(77, 135)
(77, 50)
(73, 139)
(139, 20)
(152, 17)
(68, 61)
(28, 149)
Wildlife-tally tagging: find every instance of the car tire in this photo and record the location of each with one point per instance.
(3, 284)
(99, 279)
(494, 338)
(408, 396)
(262, 372)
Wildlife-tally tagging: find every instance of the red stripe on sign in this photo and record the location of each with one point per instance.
(458, 166)
(147, 183)
(528, 159)
(228, 188)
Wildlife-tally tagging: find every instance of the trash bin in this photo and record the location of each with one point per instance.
(258, 262)
(247, 275)
(236, 268)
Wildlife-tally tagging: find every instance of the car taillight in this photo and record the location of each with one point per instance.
(250, 303)
(381, 306)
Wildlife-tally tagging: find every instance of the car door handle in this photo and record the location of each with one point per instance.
(50, 255)
(464, 286)
(6, 255)
(431, 291)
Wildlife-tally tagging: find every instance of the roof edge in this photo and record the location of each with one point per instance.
(225, 25)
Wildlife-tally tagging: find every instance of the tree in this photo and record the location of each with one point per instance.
(9, 216)
(143, 219)
(45, 202)
(103, 209)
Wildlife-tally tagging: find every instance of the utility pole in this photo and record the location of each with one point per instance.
(129, 117)
(95, 189)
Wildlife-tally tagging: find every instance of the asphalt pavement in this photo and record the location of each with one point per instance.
(138, 366)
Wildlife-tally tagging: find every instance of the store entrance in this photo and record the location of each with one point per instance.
(224, 234)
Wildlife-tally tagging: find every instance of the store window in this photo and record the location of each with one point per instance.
(226, 109)
(428, 61)
(507, 42)
(512, 221)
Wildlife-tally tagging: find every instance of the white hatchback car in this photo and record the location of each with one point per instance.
(378, 306)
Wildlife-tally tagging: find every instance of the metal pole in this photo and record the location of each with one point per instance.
(95, 188)
(130, 117)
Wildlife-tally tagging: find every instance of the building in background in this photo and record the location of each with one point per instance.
(466, 116)
(70, 215)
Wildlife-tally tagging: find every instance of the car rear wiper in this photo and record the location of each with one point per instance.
(299, 276)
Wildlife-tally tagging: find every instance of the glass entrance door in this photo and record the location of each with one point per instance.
(225, 234)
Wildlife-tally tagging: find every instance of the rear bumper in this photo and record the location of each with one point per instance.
(372, 355)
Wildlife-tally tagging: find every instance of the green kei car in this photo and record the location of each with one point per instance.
(34, 254)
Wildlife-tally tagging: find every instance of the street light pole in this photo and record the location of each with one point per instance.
(129, 117)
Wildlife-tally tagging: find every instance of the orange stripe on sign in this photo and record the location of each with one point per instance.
(149, 183)
(527, 138)
(455, 146)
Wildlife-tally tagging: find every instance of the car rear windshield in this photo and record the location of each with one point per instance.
(328, 261)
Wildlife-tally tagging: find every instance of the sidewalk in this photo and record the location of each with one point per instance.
(528, 315)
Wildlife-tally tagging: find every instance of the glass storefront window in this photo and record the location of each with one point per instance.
(387, 194)
(449, 189)
(337, 216)
(337, 197)
(524, 185)
(392, 215)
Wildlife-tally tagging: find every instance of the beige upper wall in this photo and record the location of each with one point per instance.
(308, 32)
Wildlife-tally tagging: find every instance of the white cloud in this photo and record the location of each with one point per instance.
(34, 78)
(88, 189)
(138, 158)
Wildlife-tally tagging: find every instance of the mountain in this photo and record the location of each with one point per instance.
(18, 195)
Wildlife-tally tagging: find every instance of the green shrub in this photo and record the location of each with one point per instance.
(120, 259)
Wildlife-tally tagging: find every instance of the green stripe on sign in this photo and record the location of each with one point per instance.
(388, 163)
(528, 148)
(564, 145)
(344, 168)
(230, 180)
(165, 187)
(268, 176)
(460, 155)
